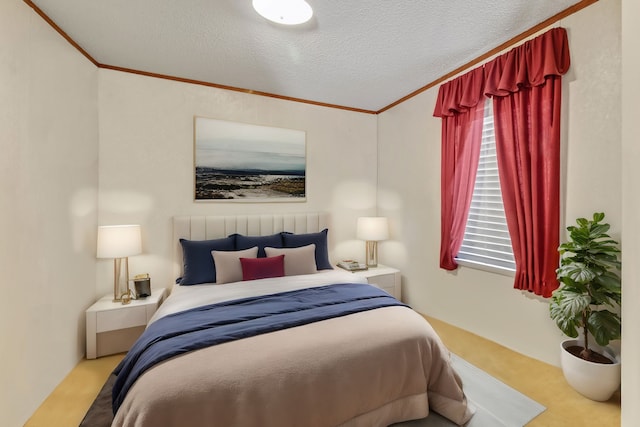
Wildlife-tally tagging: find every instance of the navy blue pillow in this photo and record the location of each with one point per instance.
(291, 240)
(198, 261)
(246, 242)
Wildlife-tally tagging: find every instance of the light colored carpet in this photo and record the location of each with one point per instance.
(497, 404)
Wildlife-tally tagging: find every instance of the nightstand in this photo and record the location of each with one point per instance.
(385, 278)
(113, 328)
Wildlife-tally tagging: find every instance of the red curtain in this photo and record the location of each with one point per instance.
(461, 106)
(526, 86)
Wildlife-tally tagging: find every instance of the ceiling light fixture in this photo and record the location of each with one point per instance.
(287, 12)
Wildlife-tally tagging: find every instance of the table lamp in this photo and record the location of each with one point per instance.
(119, 242)
(372, 229)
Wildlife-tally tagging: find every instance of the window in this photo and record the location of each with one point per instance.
(486, 242)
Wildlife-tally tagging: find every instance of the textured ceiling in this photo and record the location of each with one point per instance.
(361, 54)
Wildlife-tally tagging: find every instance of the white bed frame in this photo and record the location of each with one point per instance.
(215, 227)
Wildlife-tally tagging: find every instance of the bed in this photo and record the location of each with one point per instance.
(333, 350)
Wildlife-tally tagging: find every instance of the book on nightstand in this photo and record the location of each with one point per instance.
(351, 265)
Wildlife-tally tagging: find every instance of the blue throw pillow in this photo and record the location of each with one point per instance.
(246, 242)
(198, 261)
(291, 240)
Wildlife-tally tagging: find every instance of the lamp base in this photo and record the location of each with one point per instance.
(120, 279)
(372, 253)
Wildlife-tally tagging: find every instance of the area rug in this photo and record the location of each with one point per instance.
(497, 404)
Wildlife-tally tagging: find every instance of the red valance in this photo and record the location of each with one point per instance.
(527, 65)
(461, 94)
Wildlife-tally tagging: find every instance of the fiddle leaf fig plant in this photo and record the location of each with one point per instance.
(590, 291)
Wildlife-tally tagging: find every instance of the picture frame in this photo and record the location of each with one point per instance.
(241, 162)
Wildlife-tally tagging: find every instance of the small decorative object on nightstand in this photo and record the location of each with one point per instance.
(142, 283)
(113, 327)
(385, 278)
(352, 265)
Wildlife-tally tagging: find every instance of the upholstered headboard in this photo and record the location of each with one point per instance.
(214, 227)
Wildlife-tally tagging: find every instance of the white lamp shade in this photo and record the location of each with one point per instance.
(119, 241)
(288, 12)
(372, 228)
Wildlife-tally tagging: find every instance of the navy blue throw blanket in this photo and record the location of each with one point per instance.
(213, 324)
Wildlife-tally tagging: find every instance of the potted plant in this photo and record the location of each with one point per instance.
(587, 303)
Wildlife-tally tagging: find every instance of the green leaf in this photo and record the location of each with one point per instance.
(600, 296)
(582, 222)
(604, 326)
(570, 303)
(599, 230)
(575, 303)
(598, 216)
(568, 325)
(610, 281)
(579, 272)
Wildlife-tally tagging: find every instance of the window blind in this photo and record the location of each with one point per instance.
(486, 237)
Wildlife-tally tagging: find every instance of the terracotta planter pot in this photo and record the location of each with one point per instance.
(596, 381)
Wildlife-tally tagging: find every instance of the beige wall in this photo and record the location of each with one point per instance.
(146, 162)
(630, 213)
(48, 202)
(409, 192)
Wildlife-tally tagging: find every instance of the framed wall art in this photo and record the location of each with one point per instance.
(251, 163)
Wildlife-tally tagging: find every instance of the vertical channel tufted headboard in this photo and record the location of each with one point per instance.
(215, 227)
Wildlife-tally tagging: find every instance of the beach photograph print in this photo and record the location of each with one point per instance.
(243, 162)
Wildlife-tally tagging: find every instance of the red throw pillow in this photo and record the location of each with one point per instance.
(261, 268)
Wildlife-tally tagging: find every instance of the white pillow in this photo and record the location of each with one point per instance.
(228, 266)
(300, 260)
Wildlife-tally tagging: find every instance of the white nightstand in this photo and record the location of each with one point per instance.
(113, 328)
(385, 278)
